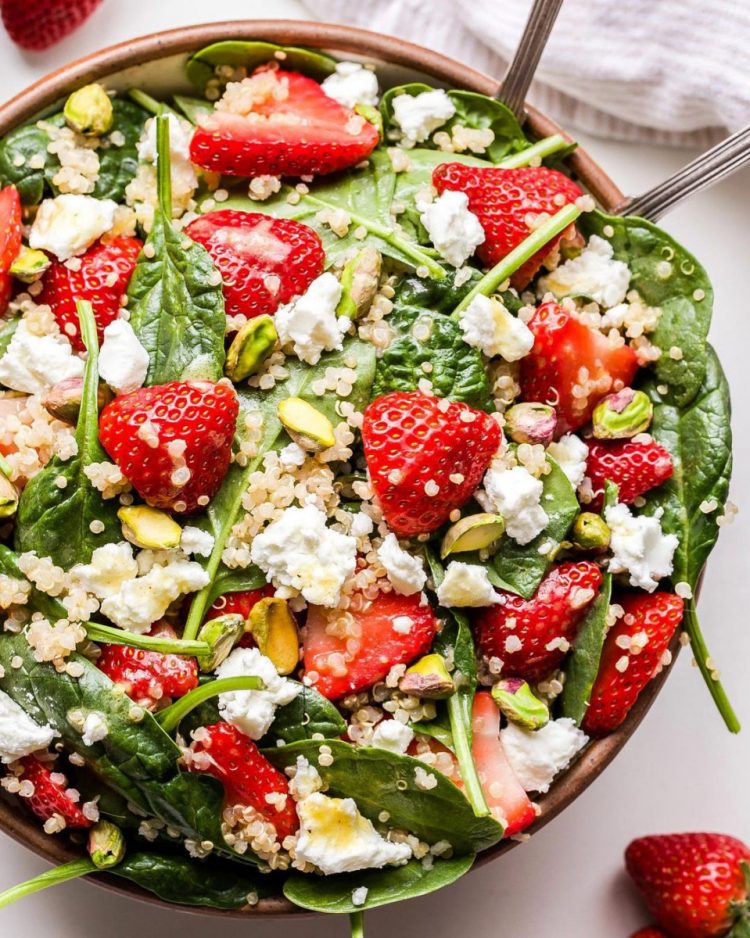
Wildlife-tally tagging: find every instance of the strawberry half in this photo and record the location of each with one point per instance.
(635, 467)
(649, 622)
(572, 367)
(530, 635)
(694, 884)
(340, 664)
(39, 24)
(507, 202)
(264, 262)
(51, 795)
(173, 441)
(10, 240)
(288, 127)
(425, 457)
(247, 776)
(102, 279)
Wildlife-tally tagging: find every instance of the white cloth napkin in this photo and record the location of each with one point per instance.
(668, 71)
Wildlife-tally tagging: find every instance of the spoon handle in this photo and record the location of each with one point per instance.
(715, 164)
(515, 84)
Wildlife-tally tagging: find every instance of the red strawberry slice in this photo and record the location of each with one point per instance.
(10, 240)
(51, 795)
(247, 776)
(102, 278)
(504, 794)
(239, 603)
(264, 262)
(695, 885)
(344, 660)
(572, 366)
(172, 441)
(635, 467)
(508, 202)
(425, 457)
(649, 622)
(39, 24)
(530, 636)
(288, 127)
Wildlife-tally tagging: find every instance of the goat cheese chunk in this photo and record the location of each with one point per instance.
(19, 734)
(515, 494)
(95, 728)
(196, 541)
(123, 361)
(352, 84)
(466, 584)
(309, 324)
(455, 231)
(34, 363)
(639, 547)
(405, 572)
(300, 551)
(537, 756)
(570, 453)
(393, 736)
(488, 326)
(252, 711)
(594, 273)
(110, 567)
(419, 114)
(69, 224)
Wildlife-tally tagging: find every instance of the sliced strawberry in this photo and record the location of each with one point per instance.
(247, 776)
(571, 366)
(239, 603)
(425, 457)
(530, 636)
(10, 240)
(39, 24)
(264, 262)
(172, 441)
(102, 278)
(288, 127)
(51, 794)
(635, 467)
(649, 622)
(508, 203)
(343, 658)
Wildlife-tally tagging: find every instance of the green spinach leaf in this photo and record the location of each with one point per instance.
(308, 715)
(118, 163)
(192, 108)
(250, 54)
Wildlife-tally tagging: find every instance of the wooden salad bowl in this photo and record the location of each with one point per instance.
(156, 62)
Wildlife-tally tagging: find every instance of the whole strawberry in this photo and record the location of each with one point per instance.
(635, 467)
(649, 932)
(695, 885)
(51, 795)
(172, 441)
(100, 275)
(425, 457)
(10, 240)
(39, 24)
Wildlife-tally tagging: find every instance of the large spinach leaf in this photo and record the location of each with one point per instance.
(176, 301)
(54, 521)
(383, 781)
(308, 715)
(250, 54)
(118, 164)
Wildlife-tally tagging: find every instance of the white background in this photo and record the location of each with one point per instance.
(681, 771)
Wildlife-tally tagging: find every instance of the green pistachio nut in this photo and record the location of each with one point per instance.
(428, 678)
(517, 702)
(106, 845)
(221, 634)
(89, 111)
(274, 629)
(8, 497)
(63, 400)
(307, 426)
(531, 423)
(622, 415)
(372, 115)
(148, 527)
(29, 264)
(591, 532)
(359, 283)
(474, 532)
(250, 347)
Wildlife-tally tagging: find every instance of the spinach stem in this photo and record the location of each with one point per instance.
(462, 748)
(170, 717)
(147, 102)
(163, 168)
(109, 635)
(60, 874)
(87, 430)
(357, 924)
(545, 147)
(700, 652)
(519, 255)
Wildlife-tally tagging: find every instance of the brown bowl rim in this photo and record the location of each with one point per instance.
(55, 86)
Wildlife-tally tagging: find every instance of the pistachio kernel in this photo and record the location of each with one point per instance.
(221, 634)
(591, 532)
(8, 497)
(106, 845)
(148, 527)
(359, 283)
(308, 427)
(274, 629)
(428, 678)
(622, 415)
(474, 532)
(531, 423)
(251, 346)
(517, 702)
(29, 264)
(63, 400)
(89, 111)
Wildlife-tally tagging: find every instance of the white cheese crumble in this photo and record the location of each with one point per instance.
(309, 324)
(252, 711)
(418, 115)
(300, 551)
(123, 361)
(455, 231)
(196, 541)
(515, 494)
(405, 572)
(95, 728)
(639, 547)
(594, 273)
(466, 584)
(488, 326)
(68, 224)
(352, 84)
(34, 363)
(111, 566)
(362, 525)
(393, 736)
(536, 756)
(19, 734)
(305, 779)
(570, 453)
(292, 456)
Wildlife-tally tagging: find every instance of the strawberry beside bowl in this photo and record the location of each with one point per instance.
(157, 64)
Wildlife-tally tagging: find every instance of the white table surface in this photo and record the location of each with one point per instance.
(682, 770)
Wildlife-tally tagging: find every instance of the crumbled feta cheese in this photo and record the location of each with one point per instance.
(111, 566)
(352, 84)
(123, 361)
(359, 895)
(405, 572)
(488, 326)
(292, 455)
(393, 736)
(639, 547)
(336, 838)
(68, 224)
(301, 551)
(594, 273)
(196, 541)
(570, 453)
(305, 779)
(252, 711)
(466, 584)
(536, 756)
(19, 734)
(515, 494)
(362, 525)
(418, 115)
(95, 728)
(455, 231)
(34, 363)
(309, 323)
